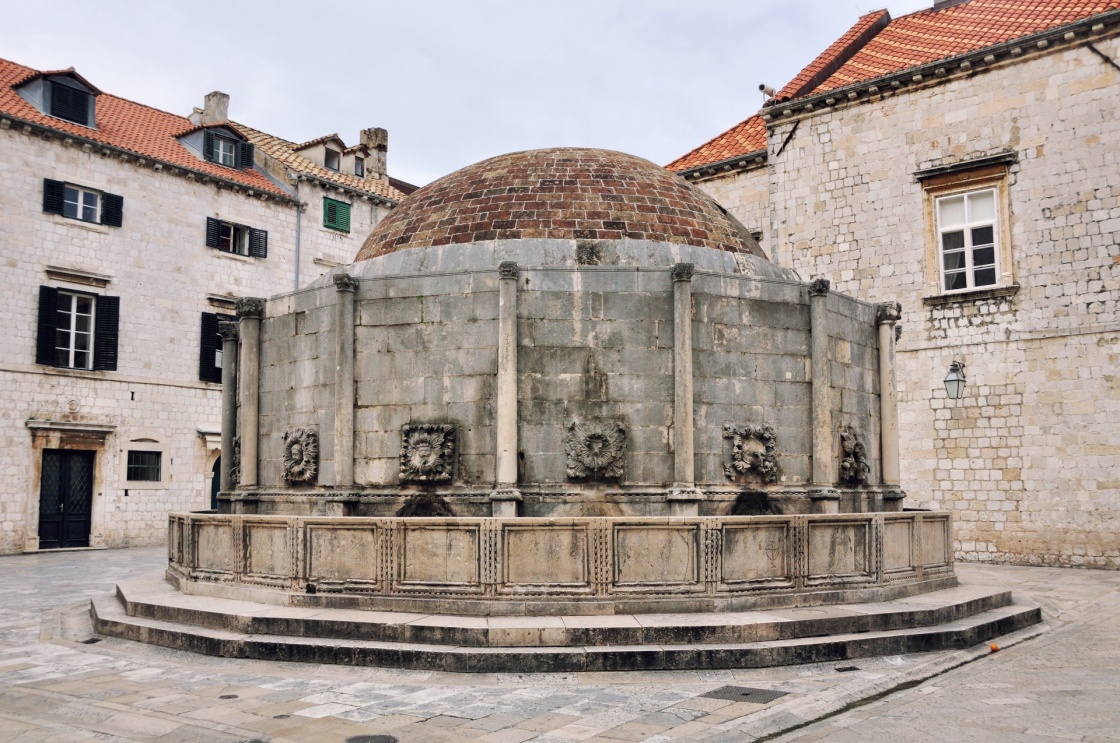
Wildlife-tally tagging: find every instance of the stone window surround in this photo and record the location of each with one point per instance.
(145, 441)
(977, 175)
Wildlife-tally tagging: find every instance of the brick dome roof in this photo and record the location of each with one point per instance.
(560, 193)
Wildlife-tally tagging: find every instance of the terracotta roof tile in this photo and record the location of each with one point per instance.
(285, 152)
(125, 125)
(742, 139)
(869, 50)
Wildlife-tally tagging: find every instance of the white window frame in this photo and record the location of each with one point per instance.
(233, 238)
(360, 167)
(77, 207)
(225, 151)
(71, 348)
(968, 248)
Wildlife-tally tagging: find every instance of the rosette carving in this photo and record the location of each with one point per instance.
(301, 455)
(595, 448)
(427, 452)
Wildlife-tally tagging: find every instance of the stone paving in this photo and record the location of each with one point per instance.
(1060, 682)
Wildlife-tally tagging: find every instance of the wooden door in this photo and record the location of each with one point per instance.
(65, 498)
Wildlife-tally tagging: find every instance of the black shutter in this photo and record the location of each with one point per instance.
(107, 311)
(244, 155)
(48, 322)
(69, 103)
(213, 232)
(112, 209)
(207, 371)
(54, 192)
(208, 146)
(258, 243)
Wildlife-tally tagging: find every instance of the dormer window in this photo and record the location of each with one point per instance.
(70, 103)
(359, 167)
(331, 159)
(225, 150)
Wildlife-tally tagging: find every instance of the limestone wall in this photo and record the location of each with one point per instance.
(1027, 459)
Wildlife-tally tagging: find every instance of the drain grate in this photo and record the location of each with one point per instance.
(744, 694)
(91, 641)
(228, 696)
(846, 669)
(371, 739)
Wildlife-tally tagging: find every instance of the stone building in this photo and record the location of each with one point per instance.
(963, 160)
(127, 232)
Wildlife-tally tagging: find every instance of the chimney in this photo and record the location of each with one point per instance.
(376, 141)
(215, 110)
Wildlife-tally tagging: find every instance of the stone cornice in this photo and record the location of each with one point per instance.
(739, 163)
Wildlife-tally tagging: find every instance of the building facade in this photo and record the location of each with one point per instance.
(127, 234)
(962, 161)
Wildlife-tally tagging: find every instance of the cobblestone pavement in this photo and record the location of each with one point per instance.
(1055, 685)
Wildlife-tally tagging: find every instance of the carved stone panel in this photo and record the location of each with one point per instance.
(595, 448)
(427, 452)
(235, 465)
(854, 468)
(754, 451)
(301, 454)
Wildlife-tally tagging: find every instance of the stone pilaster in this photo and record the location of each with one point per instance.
(249, 313)
(346, 286)
(503, 501)
(886, 315)
(228, 332)
(824, 495)
(684, 500)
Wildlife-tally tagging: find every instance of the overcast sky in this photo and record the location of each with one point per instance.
(454, 81)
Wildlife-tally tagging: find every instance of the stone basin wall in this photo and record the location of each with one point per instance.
(488, 566)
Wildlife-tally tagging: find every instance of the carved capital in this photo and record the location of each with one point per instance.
(227, 330)
(595, 449)
(250, 307)
(344, 282)
(888, 312)
(682, 271)
(507, 270)
(427, 452)
(819, 287)
(301, 454)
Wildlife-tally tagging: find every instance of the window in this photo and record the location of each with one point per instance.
(70, 103)
(359, 167)
(85, 204)
(336, 215)
(77, 330)
(966, 226)
(968, 244)
(226, 150)
(210, 349)
(331, 159)
(144, 466)
(235, 238)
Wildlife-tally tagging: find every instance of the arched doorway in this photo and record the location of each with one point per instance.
(215, 483)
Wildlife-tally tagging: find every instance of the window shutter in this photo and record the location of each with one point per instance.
(258, 243)
(53, 194)
(69, 103)
(107, 311)
(208, 146)
(207, 371)
(344, 217)
(48, 322)
(330, 213)
(213, 232)
(244, 155)
(112, 209)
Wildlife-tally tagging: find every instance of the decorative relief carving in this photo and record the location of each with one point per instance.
(682, 271)
(888, 312)
(235, 465)
(854, 468)
(595, 448)
(227, 330)
(753, 450)
(819, 287)
(507, 270)
(427, 452)
(301, 454)
(250, 307)
(344, 282)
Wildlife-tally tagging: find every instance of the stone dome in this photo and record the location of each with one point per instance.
(562, 193)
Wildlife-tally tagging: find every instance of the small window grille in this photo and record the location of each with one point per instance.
(144, 466)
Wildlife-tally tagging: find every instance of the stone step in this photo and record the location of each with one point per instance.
(110, 618)
(156, 599)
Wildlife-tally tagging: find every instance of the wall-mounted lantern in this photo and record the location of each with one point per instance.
(954, 380)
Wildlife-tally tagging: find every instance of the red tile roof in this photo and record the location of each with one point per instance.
(745, 137)
(870, 49)
(125, 125)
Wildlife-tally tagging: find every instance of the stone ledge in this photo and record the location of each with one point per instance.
(939, 300)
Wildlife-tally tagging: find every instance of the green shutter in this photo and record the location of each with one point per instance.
(336, 215)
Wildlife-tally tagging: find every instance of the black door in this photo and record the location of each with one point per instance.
(65, 498)
(215, 483)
